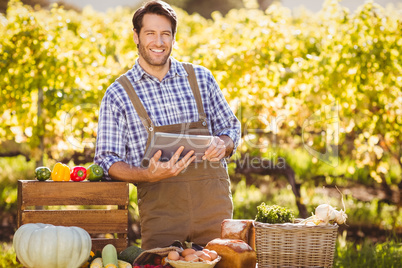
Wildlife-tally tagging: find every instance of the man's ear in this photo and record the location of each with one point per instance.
(136, 37)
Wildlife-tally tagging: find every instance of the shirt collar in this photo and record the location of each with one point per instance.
(176, 68)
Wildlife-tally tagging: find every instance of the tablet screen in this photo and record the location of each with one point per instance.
(168, 143)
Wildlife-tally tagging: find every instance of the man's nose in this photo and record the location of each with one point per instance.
(159, 40)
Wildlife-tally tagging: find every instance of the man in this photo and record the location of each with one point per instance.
(178, 199)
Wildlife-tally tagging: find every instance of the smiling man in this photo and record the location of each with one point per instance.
(155, 41)
(178, 199)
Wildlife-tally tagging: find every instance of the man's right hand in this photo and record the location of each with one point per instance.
(158, 170)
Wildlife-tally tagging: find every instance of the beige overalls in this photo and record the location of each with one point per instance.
(192, 205)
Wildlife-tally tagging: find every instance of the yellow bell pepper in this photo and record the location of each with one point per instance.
(60, 172)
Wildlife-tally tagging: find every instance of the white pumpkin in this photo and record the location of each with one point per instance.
(39, 245)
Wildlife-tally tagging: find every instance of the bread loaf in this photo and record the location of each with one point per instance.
(239, 229)
(234, 253)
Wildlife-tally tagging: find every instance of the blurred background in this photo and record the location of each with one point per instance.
(317, 90)
(203, 7)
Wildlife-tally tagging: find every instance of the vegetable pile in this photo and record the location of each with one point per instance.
(324, 214)
(61, 172)
(109, 258)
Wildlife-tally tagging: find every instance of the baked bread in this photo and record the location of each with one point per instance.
(234, 253)
(239, 230)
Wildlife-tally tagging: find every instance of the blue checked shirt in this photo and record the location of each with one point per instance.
(121, 134)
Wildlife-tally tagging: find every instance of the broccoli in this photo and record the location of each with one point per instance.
(273, 214)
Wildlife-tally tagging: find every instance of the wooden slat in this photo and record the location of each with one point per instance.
(93, 221)
(99, 243)
(19, 204)
(50, 193)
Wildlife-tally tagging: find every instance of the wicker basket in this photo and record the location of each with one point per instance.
(295, 245)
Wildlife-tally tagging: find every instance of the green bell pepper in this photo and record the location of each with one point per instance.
(94, 172)
(42, 173)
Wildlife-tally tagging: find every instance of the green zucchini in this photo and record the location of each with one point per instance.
(130, 254)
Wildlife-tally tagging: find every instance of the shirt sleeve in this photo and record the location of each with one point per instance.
(111, 136)
(223, 120)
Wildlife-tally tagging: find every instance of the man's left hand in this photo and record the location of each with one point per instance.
(220, 147)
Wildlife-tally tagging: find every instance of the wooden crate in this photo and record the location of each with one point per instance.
(100, 208)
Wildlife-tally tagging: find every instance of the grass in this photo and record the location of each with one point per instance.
(7, 257)
(368, 254)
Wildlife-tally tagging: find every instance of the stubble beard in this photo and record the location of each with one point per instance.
(144, 53)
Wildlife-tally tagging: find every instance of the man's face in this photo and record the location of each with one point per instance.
(155, 40)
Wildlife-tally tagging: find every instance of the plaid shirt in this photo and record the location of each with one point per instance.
(121, 134)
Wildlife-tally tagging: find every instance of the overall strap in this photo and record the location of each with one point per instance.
(196, 91)
(146, 120)
(128, 87)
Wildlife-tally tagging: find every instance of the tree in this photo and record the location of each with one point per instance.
(32, 3)
(278, 72)
(206, 7)
(55, 66)
(328, 81)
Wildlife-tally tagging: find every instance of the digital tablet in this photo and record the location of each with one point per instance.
(168, 143)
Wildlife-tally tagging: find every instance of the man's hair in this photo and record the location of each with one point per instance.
(155, 7)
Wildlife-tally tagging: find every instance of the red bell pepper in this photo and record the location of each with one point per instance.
(78, 173)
